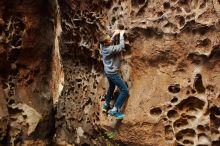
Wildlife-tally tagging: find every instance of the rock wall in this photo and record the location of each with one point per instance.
(171, 67)
(52, 79)
(78, 108)
(26, 44)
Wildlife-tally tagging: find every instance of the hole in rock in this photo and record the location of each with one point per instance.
(189, 81)
(197, 58)
(16, 41)
(189, 117)
(187, 92)
(198, 84)
(140, 2)
(12, 84)
(18, 24)
(113, 20)
(170, 26)
(179, 137)
(201, 128)
(215, 53)
(132, 13)
(11, 101)
(183, 2)
(108, 3)
(186, 132)
(203, 4)
(156, 111)
(159, 14)
(186, 141)
(189, 17)
(174, 88)
(25, 116)
(216, 143)
(169, 106)
(191, 103)
(171, 114)
(181, 20)
(174, 99)
(97, 118)
(215, 110)
(203, 29)
(210, 88)
(166, 5)
(4, 85)
(137, 3)
(193, 91)
(14, 111)
(115, 9)
(177, 9)
(165, 119)
(79, 80)
(215, 131)
(121, 26)
(204, 42)
(180, 122)
(169, 132)
(13, 55)
(168, 129)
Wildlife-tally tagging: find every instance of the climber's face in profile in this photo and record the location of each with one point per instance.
(108, 42)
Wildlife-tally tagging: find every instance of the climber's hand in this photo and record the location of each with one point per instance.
(117, 31)
(122, 32)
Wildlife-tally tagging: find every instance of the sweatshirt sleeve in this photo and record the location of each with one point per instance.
(117, 48)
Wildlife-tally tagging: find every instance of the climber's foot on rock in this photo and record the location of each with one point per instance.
(116, 114)
(105, 107)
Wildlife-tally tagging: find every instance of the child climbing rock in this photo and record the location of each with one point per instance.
(111, 60)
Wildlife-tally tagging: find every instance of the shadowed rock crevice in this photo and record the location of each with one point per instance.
(198, 84)
(156, 111)
(191, 103)
(175, 88)
(26, 43)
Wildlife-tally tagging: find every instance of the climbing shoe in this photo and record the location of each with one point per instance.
(116, 114)
(105, 107)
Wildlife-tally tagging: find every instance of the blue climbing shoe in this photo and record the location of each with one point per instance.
(116, 114)
(105, 107)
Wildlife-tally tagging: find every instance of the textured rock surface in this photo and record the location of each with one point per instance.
(171, 66)
(26, 43)
(77, 108)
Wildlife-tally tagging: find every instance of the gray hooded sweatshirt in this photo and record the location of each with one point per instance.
(111, 56)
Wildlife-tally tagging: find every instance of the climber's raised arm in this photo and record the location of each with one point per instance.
(117, 48)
